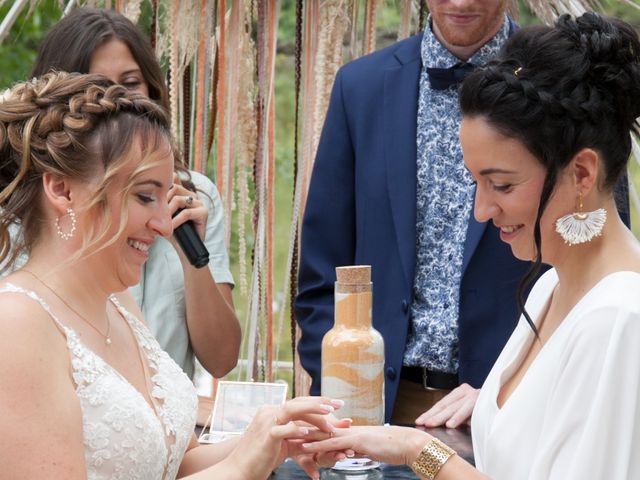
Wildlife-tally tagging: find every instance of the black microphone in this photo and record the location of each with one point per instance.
(191, 244)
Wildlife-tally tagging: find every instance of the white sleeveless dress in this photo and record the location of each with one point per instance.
(124, 437)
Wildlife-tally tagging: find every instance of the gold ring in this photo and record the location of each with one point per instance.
(189, 201)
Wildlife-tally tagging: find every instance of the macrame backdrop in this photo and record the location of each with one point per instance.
(220, 57)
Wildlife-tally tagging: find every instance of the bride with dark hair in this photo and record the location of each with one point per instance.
(546, 135)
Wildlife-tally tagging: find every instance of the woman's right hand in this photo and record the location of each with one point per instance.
(269, 439)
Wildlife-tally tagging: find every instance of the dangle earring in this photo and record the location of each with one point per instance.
(72, 218)
(581, 227)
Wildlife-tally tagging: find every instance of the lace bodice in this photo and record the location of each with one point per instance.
(124, 437)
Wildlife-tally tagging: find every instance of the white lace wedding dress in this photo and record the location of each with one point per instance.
(124, 437)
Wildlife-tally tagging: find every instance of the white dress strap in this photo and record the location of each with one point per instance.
(12, 288)
(124, 437)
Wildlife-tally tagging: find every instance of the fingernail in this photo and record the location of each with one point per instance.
(304, 431)
(337, 403)
(328, 408)
(306, 445)
(351, 455)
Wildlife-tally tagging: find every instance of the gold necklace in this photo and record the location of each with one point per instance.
(106, 336)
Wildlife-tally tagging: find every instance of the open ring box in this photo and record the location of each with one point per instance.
(235, 406)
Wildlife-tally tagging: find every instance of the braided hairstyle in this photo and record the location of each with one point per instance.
(559, 90)
(74, 126)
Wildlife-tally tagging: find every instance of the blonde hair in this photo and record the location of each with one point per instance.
(75, 126)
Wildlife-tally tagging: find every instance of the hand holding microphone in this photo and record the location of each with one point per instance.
(186, 234)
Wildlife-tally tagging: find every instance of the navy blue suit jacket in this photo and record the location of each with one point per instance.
(361, 210)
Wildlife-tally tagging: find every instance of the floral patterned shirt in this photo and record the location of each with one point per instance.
(445, 193)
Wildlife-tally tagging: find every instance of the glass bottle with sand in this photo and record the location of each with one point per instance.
(353, 351)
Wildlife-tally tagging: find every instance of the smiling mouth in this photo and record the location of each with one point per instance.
(510, 228)
(141, 246)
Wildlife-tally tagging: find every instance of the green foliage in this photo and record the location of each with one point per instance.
(20, 47)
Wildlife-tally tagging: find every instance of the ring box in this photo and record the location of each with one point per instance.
(235, 406)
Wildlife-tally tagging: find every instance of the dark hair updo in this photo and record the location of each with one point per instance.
(561, 89)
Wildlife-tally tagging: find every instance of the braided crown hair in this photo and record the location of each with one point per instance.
(71, 125)
(558, 90)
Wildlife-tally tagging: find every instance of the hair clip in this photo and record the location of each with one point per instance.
(517, 71)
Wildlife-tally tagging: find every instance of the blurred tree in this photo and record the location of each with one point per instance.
(20, 47)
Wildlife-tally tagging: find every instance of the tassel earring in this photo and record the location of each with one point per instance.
(581, 227)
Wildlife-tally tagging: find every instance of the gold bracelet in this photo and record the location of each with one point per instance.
(431, 459)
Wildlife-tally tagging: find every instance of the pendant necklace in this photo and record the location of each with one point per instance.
(106, 336)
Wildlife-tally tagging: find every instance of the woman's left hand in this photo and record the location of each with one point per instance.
(388, 444)
(193, 209)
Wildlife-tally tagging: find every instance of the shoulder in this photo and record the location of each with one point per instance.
(610, 312)
(202, 181)
(374, 64)
(30, 341)
(205, 185)
(619, 291)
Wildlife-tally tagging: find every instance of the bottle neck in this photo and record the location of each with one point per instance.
(353, 306)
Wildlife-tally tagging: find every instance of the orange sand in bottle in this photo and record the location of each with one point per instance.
(353, 360)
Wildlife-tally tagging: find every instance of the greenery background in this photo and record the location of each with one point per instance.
(19, 50)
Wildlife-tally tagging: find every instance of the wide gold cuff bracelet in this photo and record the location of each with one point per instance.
(431, 459)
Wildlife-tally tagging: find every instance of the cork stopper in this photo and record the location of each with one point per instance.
(354, 275)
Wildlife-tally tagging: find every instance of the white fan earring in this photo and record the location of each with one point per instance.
(72, 218)
(581, 227)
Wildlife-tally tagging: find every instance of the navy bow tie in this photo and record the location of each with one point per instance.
(443, 78)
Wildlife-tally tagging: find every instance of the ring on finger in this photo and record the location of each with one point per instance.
(189, 200)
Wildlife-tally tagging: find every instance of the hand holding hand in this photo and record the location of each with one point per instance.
(394, 445)
(453, 410)
(311, 463)
(273, 434)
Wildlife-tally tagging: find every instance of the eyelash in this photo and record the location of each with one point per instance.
(503, 188)
(131, 85)
(145, 198)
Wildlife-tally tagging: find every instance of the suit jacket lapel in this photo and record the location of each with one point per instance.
(400, 111)
(475, 230)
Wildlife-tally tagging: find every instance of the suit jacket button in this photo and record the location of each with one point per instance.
(405, 306)
(391, 373)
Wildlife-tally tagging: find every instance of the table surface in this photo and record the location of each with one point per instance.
(459, 439)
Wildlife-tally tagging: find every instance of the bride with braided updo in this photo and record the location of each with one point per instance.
(85, 166)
